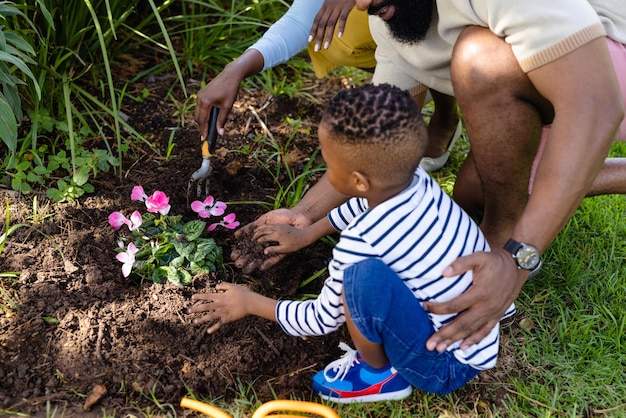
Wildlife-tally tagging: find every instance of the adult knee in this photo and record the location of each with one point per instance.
(483, 63)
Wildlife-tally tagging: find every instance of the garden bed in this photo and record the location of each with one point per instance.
(72, 323)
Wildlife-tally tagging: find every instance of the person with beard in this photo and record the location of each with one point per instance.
(398, 231)
(541, 87)
(335, 48)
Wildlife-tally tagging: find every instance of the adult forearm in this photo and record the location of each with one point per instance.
(587, 116)
(247, 64)
(564, 177)
(320, 199)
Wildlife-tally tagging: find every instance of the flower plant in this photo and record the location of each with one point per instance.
(161, 246)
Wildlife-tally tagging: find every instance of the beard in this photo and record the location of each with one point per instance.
(411, 20)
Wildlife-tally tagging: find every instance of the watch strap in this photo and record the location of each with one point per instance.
(512, 246)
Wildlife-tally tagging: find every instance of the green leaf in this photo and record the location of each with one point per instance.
(193, 229)
(159, 275)
(8, 125)
(81, 176)
(46, 14)
(177, 262)
(54, 194)
(185, 249)
(32, 177)
(4, 56)
(207, 250)
(179, 277)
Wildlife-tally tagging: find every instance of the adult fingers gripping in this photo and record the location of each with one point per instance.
(481, 306)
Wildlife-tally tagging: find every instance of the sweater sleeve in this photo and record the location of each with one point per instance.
(289, 35)
(316, 317)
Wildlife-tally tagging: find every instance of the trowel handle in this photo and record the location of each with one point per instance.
(208, 146)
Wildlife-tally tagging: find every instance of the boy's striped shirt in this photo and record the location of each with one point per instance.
(417, 233)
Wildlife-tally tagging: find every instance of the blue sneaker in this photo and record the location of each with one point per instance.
(349, 379)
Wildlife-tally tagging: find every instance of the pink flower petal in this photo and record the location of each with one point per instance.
(116, 220)
(232, 225)
(218, 209)
(138, 194)
(197, 206)
(158, 202)
(135, 221)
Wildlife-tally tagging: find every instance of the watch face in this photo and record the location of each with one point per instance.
(527, 257)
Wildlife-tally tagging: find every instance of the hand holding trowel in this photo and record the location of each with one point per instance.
(201, 176)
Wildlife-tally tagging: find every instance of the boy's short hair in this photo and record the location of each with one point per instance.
(382, 125)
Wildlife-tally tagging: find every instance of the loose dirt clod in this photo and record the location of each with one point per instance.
(94, 396)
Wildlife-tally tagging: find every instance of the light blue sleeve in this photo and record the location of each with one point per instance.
(289, 35)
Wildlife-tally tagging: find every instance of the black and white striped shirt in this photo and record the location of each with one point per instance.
(417, 233)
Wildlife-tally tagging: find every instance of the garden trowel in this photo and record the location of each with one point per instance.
(200, 178)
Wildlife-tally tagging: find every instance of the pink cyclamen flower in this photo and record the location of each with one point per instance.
(158, 202)
(228, 222)
(116, 220)
(138, 194)
(128, 258)
(209, 207)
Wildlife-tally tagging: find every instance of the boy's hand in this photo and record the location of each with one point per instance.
(228, 304)
(289, 238)
(278, 216)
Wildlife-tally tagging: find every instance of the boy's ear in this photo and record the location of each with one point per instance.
(360, 181)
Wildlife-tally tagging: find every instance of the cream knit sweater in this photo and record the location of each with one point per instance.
(538, 31)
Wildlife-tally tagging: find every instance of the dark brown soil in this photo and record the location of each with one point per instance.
(71, 323)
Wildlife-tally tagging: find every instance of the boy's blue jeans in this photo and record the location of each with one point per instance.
(386, 312)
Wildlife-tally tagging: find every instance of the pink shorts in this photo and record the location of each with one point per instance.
(618, 54)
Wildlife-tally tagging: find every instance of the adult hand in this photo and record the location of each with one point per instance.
(323, 27)
(221, 92)
(497, 283)
(279, 216)
(223, 89)
(288, 238)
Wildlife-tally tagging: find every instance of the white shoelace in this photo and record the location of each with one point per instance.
(343, 364)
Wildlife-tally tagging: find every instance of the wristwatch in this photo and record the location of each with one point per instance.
(525, 255)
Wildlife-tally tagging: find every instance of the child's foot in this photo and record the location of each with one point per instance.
(350, 379)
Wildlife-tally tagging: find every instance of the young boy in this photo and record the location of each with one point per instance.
(399, 232)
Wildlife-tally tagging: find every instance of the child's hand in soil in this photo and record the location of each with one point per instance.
(288, 238)
(248, 262)
(229, 303)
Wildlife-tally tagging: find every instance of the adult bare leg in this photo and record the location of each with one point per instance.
(467, 190)
(503, 115)
(443, 124)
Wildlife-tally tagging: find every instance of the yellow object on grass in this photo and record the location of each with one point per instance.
(265, 410)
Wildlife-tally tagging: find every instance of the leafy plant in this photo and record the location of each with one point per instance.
(163, 247)
(16, 55)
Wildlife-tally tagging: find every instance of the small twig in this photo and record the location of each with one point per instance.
(268, 341)
(607, 410)
(290, 374)
(533, 400)
(99, 341)
(263, 125)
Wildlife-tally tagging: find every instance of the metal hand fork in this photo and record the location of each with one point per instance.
(201, 176)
